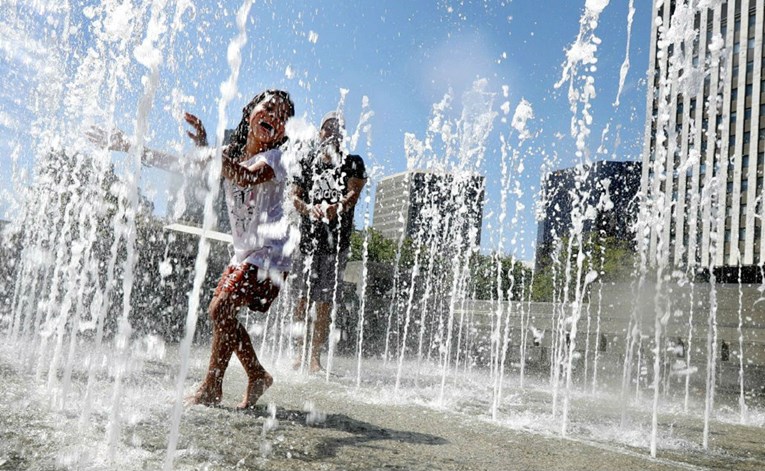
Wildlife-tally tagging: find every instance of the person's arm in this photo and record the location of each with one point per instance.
(349, 200)
(297, 200)
(259, 172)
(118, 141)
(199, 136)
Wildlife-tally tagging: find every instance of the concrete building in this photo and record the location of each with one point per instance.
(703, 165)
(408, 201)
(620, 181)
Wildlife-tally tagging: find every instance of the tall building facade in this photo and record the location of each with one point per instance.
(704, 150)
(416, 203)
(608, 187)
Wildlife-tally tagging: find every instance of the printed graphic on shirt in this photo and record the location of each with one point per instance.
(327, 187)
(243, 208)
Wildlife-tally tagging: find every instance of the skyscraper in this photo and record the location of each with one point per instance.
(704, 145)
(608, 187)
(419, 202)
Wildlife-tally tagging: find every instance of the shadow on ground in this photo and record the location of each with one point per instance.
(361, 433)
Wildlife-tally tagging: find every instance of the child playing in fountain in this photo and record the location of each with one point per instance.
(325, 194)
(255, 183)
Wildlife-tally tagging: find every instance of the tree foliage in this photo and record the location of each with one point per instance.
(611, 258)
(381, 249)
(514, 281)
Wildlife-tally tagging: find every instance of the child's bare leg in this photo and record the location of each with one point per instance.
(258, 379)
(224, 339)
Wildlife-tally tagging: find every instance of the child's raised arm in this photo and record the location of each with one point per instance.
(117, 141)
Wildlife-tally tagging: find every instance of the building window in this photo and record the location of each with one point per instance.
(742, 234)
(748, 89)
(747, 137)
(745, 160)
(747, 113)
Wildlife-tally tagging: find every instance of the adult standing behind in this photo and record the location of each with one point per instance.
(325, 195)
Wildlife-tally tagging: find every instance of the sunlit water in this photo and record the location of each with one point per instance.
(37, 436)
(87, 386)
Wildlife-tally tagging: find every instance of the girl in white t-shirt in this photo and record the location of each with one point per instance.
(255, 182)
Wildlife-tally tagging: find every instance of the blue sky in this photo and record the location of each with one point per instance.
(402, 55)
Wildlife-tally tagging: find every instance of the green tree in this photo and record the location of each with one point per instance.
(612, 258)
(381, 249)
(514, 276)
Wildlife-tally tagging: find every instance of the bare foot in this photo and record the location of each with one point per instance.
(206, 396)
(255, 388)
(297, 363)
(315, 367)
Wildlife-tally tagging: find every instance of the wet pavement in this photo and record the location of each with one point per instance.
(308, 423)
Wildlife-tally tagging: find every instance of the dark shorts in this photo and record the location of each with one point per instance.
(317, 275)
(245, 288)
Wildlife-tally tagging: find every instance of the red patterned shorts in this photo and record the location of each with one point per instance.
(244, 287)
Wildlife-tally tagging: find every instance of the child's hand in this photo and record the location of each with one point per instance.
(116, 140)
(200, 135)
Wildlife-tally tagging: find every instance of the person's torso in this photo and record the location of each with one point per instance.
(257, 214)
(324, 183)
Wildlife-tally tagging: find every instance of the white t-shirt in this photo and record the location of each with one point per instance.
(259, 225)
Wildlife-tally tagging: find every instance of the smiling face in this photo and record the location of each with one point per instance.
(267, 121)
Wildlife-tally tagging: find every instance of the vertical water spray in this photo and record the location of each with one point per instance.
(148, 54)
(711, 194)
(580, 54)
(367, 114)
(228, 90)
(740, 332)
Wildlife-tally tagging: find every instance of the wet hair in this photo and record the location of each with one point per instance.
(239, 137)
